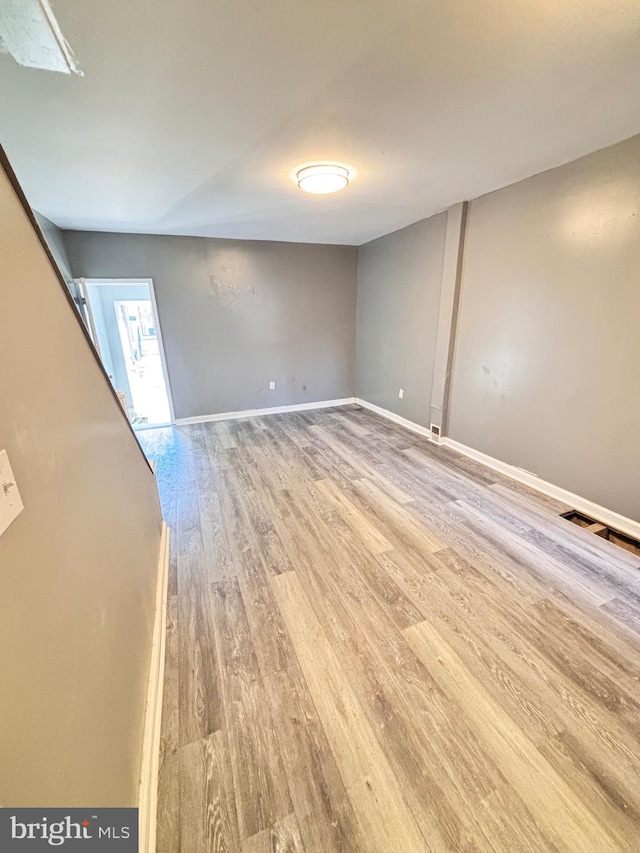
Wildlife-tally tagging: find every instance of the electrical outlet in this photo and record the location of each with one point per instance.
(401, 393)
(272, 386)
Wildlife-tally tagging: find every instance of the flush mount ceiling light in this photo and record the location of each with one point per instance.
(322, 178)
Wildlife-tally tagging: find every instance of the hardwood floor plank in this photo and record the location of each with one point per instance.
(339, 469)
(217, 553)
(522, 677)
(348, 419)
(377, 800)
(269, 637)
(461, 618)
(199, 683)
(282, 837)
(168, 829)
(627, 616)
(208, 817)
(342, 446)
(527, 497)
(259, 780)
(344, 453)
(401, 526)
(395, 435)
(566, 542)
(508, 825)
(402, 705)
(270, 551)
(540, 562)
(553, 803)
(369, 533)
(606, 788)
(321, 804)
(598, 666)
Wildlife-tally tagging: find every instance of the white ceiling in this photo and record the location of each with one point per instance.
(191, 114)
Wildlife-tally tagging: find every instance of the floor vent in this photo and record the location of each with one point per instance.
(599, 529)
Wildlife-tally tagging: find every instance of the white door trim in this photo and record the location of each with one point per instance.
(88, 313)
(154, 308)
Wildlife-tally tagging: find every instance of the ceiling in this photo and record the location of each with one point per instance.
(192, 114)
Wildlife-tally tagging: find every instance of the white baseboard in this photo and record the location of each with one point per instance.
(148, 790)
(272, 410)
(397, 419)
(600, 513)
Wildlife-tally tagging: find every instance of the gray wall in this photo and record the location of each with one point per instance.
(399, 280)
(78, 566)
(236, 314)
(547, 367)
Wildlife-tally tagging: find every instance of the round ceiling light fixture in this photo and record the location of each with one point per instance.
(322, 178)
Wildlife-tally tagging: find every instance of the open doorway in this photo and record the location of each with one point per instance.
(123, 322)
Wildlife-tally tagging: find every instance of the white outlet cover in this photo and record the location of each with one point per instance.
(401, 393)
(10, 501)
(272, 386)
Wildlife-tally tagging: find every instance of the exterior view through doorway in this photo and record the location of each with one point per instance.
(123, 322)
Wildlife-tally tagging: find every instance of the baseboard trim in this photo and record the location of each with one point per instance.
(148, 790)
(397, 419)
(272, 410)
(599, 513)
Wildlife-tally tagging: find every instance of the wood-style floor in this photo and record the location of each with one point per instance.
(375, 644)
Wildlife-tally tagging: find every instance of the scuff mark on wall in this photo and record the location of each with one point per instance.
(226, 288)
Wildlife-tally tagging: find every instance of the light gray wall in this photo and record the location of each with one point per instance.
(78, 566)
(236, 314)
(399, 280)
(547, 366)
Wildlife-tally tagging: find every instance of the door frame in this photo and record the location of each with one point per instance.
(82, 282)
(86, 314)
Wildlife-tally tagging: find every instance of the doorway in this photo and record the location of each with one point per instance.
(123, 323)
